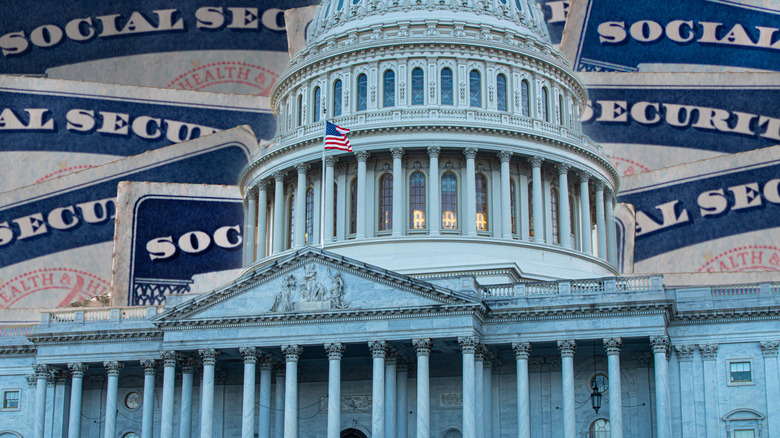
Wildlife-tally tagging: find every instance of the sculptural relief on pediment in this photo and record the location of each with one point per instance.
(310, 293)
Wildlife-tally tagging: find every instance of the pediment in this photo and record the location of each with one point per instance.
(312, 282)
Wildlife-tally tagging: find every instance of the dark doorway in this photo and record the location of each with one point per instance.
(352, 433)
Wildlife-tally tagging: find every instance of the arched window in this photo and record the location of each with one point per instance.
(482, 202)
(526, 101)
(418, 87)
(453, 433)
(446, 87)
(417, 201)
(388, 88)
(362, 92)
(546, 104)
(309, 216)
(512, 204)
(337, 98)
(449, 201)
(291, 223)
(530, 209)
(316, 105)
(386, 202)
(560, 110)
(554, 214)
(599, 429)
(300, 109)
(475, 88)
(353, 207)
(501, 92)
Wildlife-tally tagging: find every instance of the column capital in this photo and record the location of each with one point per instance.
(266, 362)
(262, 185)
(536, 161)
(112, 367)
(187, 365)
(61, 376)
(335, 350)
(769, 348)
(391, 357)
(330, 161)
(41, 370)
(468, 344)
(302, 168)
(249, 353)
(504, 156)
(378, 348)
(279, 176)
(209, 355)
(422, 346)
(563, 168)
(250, 192)
(613, 346)
(480, 353)
(567, 347)
(470, 153)
(292, 352)
(280, 369)
(170, 358)
(434, 151)
(708, 351)
(599, 185)
(362, 156)
(31, 380)
(150, 366)
(584, 177)
(77, 369)
(522, 349)
(397, 152)
(685, 352)
(660, 344)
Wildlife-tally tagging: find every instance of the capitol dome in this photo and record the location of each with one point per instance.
(469, 157)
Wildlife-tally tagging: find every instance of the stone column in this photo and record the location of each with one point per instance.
(378, 351)
(209, 357)
(112, 368)
(61, 403)
(538, 212)
(423, 348)
(291, 355)
(390, 395)
(470, 198)
(601, 228)
(398, 191)
(264, 421)
(248, 404)
(687, 399)
(567, 348)
(479, 389)
(147, 419)
(660, 345)
(279, 227)
(522, 351)
(362, 157)
(709, 354)
(772, 386)
(299, 229)
(262, 219)
(42, 373)
(523, 225)
(401, 410)
(487, 366)
(468, 345)
(330, 199)
(585, 214)
(335, 351)
(611, 230)
(77, 371)
(185, 414)
(434, 203)
(613, 346)
(169, 383)
(564, 209)
(281, 381)
(250, 231)
(506, 196)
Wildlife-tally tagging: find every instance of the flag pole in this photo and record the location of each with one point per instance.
(323, 190)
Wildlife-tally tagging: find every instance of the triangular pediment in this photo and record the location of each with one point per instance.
(311, 282)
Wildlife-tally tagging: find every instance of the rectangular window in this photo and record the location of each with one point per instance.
(11, 399)
(739, 372)
(744, 433)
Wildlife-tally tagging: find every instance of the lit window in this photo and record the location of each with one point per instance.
(353, 207)
(337, 98)
(546, 104)
(512, 203)
(599, 429)
(316, 105)
(475, 89)
(482, 202)
(501, 92)
(446, 87)
(11, 399)
(386, 202)
(417, 201)
(362, 92)
(389, 89)
(291, 212)
(526, 102)
(739, 372)
(554, 214)
(530, 209)
(418, 87)
(309, 215)
(449, 201)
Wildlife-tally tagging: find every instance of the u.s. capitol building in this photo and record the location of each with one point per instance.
(468, 285)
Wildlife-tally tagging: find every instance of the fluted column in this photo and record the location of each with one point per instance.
(291, 355)
(299, 227)
(250, 230)
(330, 198)
(248, 404)
(564, 209)
(264, 420)
(567, 379)
(468, 345)
(362, 157)
(262, 219)
(479, 390)
(771, 386)
(506, 197)
(522, 351)
(470, 200)
(278, 212)
(147, 418)
(281, 381)
(185, 413)
(378, 351)
(42, 373)
(687, 400)
(335, 351)
(398, 191)
(660, 345)
(585, 214)
(423, 348)
(611, 230)
(401, 410)
(169, 382)
(601, 228)
(77, 371)
(209, 357)
(613, 346)
(390, 395)
(538, 213)
(434, 203)
(709, 355)
(112, 369)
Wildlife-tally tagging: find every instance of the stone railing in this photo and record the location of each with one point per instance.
(97, 314)
(11, 331)
(573, 287)
(738, 290)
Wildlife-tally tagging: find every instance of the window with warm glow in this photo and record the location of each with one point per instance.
(482, 202)
(512, 204)
(530, 209)
(449, 201)
(386, 202)
(417, 201)
(309, 216)
(353, 207)
(554, 213)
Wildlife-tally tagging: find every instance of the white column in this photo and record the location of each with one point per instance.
(613, 346)
(61, 403)
(329, 192)
(434, 203)
(264, 420)
(401, 410)
(506, 196)
(709, 355)
(281, 381)
(601, 228)
(564, 209)
(147, 417)
(248, 403)
(470, 199)
(169, 382)
(423, 348)
(250, 230)
(378, 351)
(362, 157)
(538, 211)
(262, 219)
(487, 366)
(209, 357)
(660, 345)
(687, 411)
(390, 395)
(335, 351)
(468, 345)
(771, 386)
(567, 380)
(291, 355)
(479, 390)
(112, 368)
(585, 214)
(279, 227)
(611, 230)
(77, 371)
(299, 229)
(42, 373)
(522, 351)
(398, 191)
(185, 414)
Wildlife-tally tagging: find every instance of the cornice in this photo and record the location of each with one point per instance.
(18, 350)
(725, 315)
(95, 337)
(534, 313)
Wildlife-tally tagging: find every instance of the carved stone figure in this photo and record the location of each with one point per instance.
(337, 290)
(283, 300)
(312, 291)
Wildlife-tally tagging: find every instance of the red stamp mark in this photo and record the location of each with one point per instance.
(745, 258)
(65, 285)
(217, 73)
(628, 167)
(63, 172)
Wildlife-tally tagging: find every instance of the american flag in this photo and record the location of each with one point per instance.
(336, 137)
